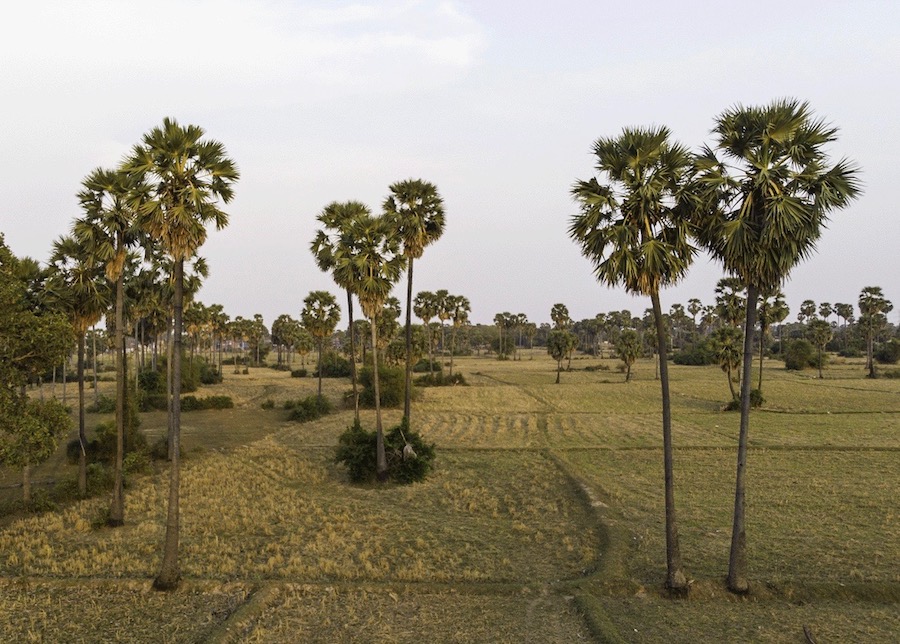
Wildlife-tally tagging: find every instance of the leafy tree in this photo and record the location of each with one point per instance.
(694, 307)
(807, 311)
(873, 309)
(628, 346)
(768, 197)
(559, 313)
(825, 310)
(320, 316)
(819, 333)
(731, 303)
(426, 308)
(459, 309)
(559, 342)
(634, 228)
(415, 210)
(188, 176)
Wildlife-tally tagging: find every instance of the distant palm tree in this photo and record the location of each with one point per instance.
(819, 333)
(873, 307)
(332, 249)
(634, 227)
(379, 265)
(189, 176)
(320, 316)
(416, 212)
(768, 198)
(772, 310)
(459, 308)
(726, 343)
(426, 308)
(78, 286)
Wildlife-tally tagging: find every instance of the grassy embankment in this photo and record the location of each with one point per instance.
(542, 521)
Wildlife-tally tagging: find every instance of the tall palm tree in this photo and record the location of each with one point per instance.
(332, 248)
(459, 308)
(634, 228)
(78, 286)
(189, 176)
(416, 211)
(767, 199)
(110, 200)
(426, 308)
(378, 264)
(819, 333)
(320, 316)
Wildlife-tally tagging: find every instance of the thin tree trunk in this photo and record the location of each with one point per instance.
(169, 574)
(353, 373)
(452, 347)
(407, 396)
(26, 484)
(321, 341)
(380, 457)
(117, 503)
(675, 578)
(762, 335)
(94, 349)
(730, 383)
(558, 369)
(170, 384)
(737, 560)
(64, 378)
(82, 436)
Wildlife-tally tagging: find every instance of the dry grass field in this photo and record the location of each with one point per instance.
(542, 521)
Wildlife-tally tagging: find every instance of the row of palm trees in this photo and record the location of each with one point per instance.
(757, 201)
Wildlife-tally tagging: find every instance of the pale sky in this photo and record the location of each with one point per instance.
(497, 103)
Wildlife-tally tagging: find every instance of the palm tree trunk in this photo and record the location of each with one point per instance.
(169, 574)
(730, 383)
(675, 578)
(26, 484)
(407, 395)
(380, 457)
(452, 347)
(353, 357)
(82, 437)
(117, 504)
(94, 349)
(170, 383)
(321, 341)
(762, 335)
(737, 560)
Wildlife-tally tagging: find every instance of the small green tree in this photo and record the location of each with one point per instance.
(726, 343)
(320, 316)
(628, 345)
(559, 342)
(819, 333)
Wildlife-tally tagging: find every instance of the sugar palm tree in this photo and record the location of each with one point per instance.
(426, 308)
(320, 316)
(726, 344)
(873, 307)
(378, 265)
(633, 226)
(459, 308)
(772, 310)
(189, 176)
(332, 248)
(416, 211)
(819, 333)
(769, 186)
(78, 286)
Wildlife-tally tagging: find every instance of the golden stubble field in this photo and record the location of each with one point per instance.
(542, 521)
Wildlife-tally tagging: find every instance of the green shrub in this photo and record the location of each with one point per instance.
(440, 380)
(391, 385)
(890, 373)
(356, 450)
(192, 403)
(104, 405)
(209, 374)
(799, 354)
(334, 366)
(152, 382)
(422, 366)
(299, 373)
(309, 408)
(695, 355)
(159, 449)
(268, 404)
(137, 462)
(889, 352)
(153, 402)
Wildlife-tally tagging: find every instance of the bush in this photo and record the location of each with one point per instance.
(136, 462)
(889, 352)
(209, 374)
(356, 450)
(152, 382)
(334, 366)
(192, 403)
(151, 402)
(104, 405)
(440, 380)
(422, 366)
(309, 408)
(799, 354)
(298, 373)
(159, 450)
(890, 373)
(268, 404)
(391, 385)
(696, 355)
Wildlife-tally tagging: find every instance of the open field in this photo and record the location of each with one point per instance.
(542, 521)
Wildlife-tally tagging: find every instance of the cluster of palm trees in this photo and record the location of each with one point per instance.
(756, 200)
(366, 255)
(142, 225)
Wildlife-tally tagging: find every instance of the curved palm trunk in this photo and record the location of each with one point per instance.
(353, 357)
(82, 438)
(380, 457)
(730, 383)
(737, 560)
(321, 342)
(117, 504)
(675, 578)
(407, 395)
(169, 574)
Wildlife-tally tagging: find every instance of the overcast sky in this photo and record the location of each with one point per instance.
(497, 103)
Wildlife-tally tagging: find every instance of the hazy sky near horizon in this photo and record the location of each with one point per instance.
(497, 103)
